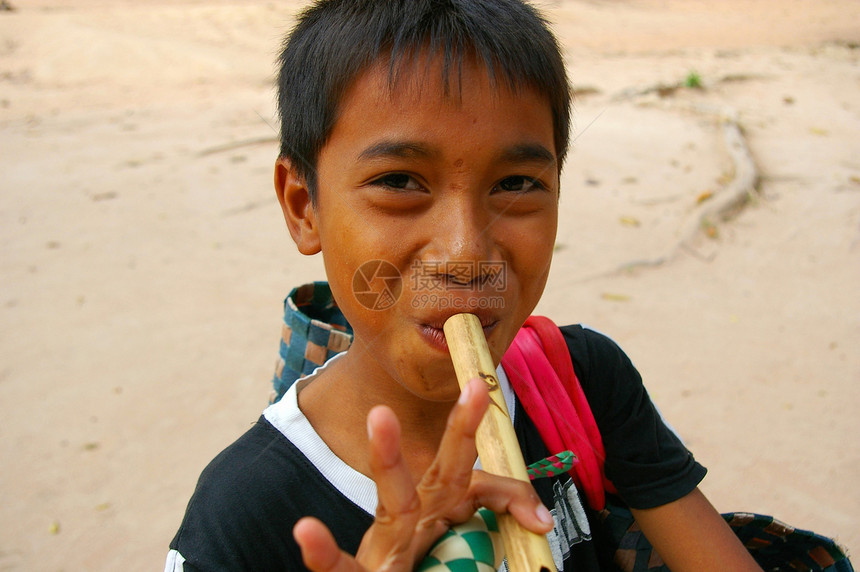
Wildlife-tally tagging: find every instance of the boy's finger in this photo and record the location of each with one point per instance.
(320, 552)
(506, 495)
(395, 488)
(452, 470)
(449, 476)
(389, 539)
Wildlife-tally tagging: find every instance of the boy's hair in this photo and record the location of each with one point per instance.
(335, 41)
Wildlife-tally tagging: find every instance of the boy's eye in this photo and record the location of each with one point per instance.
(520, 184)
(399, 181)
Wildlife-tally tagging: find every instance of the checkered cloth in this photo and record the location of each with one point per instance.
(552, 465)
(473, 546)
(314, 330)
(774, 545)
(778, 546)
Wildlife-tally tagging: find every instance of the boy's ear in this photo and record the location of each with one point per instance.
(298, 208)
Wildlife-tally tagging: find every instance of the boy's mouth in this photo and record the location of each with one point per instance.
(432, 332)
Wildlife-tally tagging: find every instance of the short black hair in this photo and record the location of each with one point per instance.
(334, 41)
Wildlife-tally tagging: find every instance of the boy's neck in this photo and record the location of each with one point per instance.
(338, 401)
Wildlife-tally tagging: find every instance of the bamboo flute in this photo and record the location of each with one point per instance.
(497, 443)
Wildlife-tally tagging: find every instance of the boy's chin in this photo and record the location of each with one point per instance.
(447, 396)
(438, 386)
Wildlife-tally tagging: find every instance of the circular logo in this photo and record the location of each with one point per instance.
(377, 285)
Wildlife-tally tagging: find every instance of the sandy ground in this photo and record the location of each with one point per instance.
(144, 259)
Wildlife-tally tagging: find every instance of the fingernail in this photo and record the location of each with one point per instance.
(465, 393)
(543, 514)
(369, 429)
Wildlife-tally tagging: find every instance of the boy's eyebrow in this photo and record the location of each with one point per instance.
(518, 153)
(397, 149)
(527, 153)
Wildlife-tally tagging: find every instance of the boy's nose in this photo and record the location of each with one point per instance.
(464, 233)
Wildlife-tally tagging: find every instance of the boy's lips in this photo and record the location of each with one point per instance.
(432, 332)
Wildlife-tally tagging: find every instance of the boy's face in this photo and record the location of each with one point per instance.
(457, 195)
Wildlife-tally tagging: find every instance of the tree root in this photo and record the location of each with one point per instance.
(723, 204)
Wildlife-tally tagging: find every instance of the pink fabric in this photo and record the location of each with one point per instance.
(556, 403)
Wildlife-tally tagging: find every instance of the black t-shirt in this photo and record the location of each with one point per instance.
(251, 495)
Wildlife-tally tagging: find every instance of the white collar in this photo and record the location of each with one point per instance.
(287, 418)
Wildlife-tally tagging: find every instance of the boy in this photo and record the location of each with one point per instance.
(428, 136)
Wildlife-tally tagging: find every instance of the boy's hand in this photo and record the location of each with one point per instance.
(410, 519)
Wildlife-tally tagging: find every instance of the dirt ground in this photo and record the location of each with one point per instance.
(143, 258)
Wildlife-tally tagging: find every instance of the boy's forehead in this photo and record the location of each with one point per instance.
(418, 113)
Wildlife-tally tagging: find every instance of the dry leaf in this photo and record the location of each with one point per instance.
(611, 297)
(710, 229)
(703, 196)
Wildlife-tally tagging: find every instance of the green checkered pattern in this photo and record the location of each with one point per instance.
(473, 546)
(552, 466)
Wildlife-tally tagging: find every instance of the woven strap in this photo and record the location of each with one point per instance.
(539, 367)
